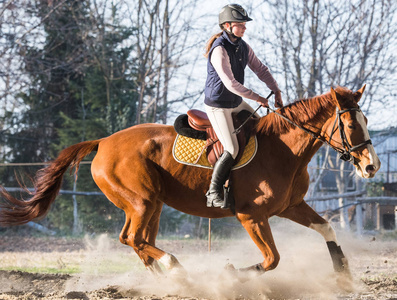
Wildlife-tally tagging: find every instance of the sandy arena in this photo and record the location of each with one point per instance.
(105, 269)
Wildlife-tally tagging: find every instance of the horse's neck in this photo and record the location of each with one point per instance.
(305, 116)
(306, 145)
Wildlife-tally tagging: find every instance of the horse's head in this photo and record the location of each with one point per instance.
(348, 132)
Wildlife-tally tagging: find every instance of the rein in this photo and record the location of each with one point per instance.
(345, 152)
(251, 115)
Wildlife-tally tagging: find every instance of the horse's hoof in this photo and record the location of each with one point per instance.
(154, 269)
(237, 274)
(178, 271)
(229, 267)
(229, 274)
(345, 282)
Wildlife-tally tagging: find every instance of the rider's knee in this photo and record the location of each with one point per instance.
(233, 151)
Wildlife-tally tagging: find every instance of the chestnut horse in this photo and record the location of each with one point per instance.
(135, 169)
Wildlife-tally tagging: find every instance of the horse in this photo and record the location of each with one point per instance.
(136, 171)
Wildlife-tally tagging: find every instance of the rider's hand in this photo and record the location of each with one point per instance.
(263, 101)
(278, 100)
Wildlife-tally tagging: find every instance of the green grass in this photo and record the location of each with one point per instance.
(45, 270)
(104, 267)
(106, 262)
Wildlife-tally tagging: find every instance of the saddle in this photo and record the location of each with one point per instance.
(195, 124)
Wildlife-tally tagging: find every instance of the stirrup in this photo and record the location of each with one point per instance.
(228, 199)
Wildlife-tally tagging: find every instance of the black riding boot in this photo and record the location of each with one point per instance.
(219, 175)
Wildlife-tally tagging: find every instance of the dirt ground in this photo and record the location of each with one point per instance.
(105, 269)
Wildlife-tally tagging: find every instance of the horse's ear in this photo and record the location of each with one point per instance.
(336, 97)
(357, 95)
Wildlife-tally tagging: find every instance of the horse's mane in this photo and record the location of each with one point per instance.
(300, 112)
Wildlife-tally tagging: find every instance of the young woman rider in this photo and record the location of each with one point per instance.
(228, 55)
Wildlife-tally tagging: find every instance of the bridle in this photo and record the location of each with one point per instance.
(347, 149)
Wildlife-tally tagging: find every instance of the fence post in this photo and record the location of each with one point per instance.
(209, 235)
(395, 217)
(377, 205)
(359, 209)
(359, 219)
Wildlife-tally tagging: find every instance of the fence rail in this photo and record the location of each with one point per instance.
(61, 192)
(336, 196)
(357, 198)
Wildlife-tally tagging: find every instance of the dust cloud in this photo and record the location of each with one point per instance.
(304, 272)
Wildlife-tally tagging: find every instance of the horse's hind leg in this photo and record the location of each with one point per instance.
(150, 234)
(303, 214)
(140, 231)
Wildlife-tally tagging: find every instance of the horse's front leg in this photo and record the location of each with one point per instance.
(303, 214)
(260, 233)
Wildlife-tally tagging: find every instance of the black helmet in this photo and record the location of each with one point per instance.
(233, 13)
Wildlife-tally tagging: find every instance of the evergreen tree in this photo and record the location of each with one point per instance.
(82, 87)
(54, 69)
(107, 100)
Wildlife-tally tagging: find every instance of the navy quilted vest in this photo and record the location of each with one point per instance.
(216, 94)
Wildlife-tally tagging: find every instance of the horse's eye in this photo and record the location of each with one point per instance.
(351, 126)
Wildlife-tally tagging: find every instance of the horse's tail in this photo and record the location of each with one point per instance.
(47, 184)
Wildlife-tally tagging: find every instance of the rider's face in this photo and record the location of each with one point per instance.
(238, 29)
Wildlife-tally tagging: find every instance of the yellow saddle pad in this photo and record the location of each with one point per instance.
(191, 151)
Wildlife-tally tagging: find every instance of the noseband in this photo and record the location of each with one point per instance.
(345, 151)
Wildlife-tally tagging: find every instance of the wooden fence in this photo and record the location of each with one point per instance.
(357, 198)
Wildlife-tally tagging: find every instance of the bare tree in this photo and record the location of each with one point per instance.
(12, 29)
(324, 43)
(162, 42)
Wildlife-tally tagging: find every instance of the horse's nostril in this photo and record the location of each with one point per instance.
(370, 169)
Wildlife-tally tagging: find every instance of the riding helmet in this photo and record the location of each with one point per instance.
(233, 13)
